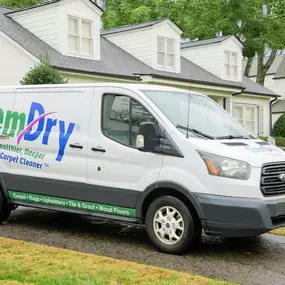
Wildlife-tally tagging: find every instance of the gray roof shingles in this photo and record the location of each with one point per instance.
(207, 42)
(131, 27)
(117, 62)
(204, 42)
(5, 10)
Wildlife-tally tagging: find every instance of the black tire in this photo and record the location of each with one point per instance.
(192, 226)
(5, 210)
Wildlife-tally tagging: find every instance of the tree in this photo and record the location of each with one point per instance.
(259, 23)
(279, 127)
(18, 3)
(43, 73)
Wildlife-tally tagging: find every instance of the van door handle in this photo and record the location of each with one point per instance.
(76, 146)
(99, 149)
(4, 137)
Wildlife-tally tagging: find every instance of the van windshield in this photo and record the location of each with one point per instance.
(206, 118)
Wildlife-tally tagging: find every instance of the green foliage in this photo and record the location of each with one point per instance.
(280, 141)
(43, 73)
(204, 19)
(18, 3)
(279, 127)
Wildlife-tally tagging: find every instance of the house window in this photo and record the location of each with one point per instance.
(231, 64)
(165, 52)
(80, 39)
(246, 115)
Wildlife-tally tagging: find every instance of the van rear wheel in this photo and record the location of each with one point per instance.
(5, 210)
(171, 226)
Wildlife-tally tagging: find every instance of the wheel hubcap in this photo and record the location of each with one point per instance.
(168, 225)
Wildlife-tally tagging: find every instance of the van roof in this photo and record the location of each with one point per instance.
(131, 86)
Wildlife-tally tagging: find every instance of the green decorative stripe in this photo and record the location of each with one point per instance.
(72, 204)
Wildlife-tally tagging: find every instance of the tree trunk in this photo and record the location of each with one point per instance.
(248, 66)
(263, 68)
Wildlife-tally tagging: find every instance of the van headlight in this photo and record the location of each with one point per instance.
(226, 167)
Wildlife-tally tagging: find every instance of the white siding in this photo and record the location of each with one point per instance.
(142, 43)
(44, 22)
(255, 101)
(49, 22)
(210, 57)
(80, 9)
(14, 62)
(165, 30)
(137, 42)
(232, 46)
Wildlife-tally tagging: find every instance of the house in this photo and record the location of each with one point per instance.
(152, 53)
(275, 81)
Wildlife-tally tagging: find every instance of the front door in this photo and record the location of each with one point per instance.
(117, 170)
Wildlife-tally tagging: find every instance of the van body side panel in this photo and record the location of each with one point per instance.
(120, 166)
(71, 190)
(8, 120)
(54, 119)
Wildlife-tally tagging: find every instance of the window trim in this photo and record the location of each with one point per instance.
(102, 116)
(254, 121)
(80, 37)
(231, 65)
(165, 52)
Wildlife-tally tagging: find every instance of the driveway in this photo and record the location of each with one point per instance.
(250, 261)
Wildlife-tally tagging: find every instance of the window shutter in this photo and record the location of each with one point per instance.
(260, 120)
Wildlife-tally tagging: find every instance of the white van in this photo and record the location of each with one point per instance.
(168, 158)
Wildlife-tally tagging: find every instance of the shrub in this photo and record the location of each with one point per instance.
(279, 127)
(279, 141)
(43, 73)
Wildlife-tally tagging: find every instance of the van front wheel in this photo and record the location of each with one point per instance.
(5, 210)
(171, 226)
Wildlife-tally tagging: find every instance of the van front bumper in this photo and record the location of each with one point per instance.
(240, 217)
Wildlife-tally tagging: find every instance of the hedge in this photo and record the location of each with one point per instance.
(279, 127)
(280, 141)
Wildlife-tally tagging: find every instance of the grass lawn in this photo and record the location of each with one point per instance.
(24, 263)
(280, 232)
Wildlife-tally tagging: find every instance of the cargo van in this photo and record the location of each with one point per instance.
(171, 159)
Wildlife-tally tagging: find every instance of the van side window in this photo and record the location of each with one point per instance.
(121, 118)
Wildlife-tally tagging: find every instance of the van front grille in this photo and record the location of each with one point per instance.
(270, 182)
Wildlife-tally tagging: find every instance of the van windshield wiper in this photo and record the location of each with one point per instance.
(231, 137)
(196, 132)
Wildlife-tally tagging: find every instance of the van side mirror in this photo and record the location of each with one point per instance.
(147, 139)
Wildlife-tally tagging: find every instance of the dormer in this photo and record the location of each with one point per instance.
(155, 43)
(221, 56)
(70, 26)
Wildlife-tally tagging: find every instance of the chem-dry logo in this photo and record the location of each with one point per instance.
(37, 115)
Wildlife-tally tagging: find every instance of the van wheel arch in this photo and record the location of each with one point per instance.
(167, 188)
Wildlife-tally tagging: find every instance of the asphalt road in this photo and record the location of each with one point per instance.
(249, 261)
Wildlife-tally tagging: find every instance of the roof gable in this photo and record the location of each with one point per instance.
(209, 42)
(117, 62)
